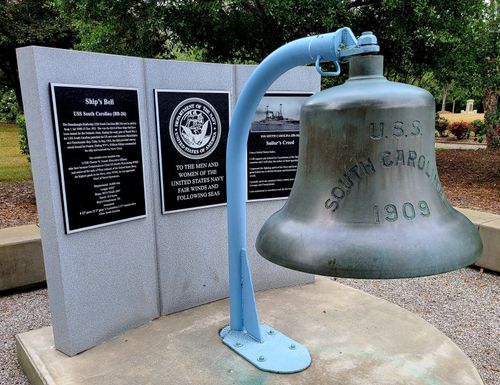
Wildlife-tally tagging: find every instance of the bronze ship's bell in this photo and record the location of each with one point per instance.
(367, 201)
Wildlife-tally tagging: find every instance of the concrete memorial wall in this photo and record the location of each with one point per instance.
(128, 159)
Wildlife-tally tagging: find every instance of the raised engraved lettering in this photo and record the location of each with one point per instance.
(338, 193)
(347, 180)
(377, 216)
(397, 129)
(412, 155)
(427, 169)
(376, 131)
(424, 208)
(354, 170)
(331, 204)
(408, 211)
(437, 183)
(416, 128)
(391, 211)
(343, 180)
(385, 157)
(421, 162)
(368, 167)
(400, 158)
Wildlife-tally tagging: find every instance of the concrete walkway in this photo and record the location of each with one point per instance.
(354, 339)
(21, 257)
(459, 146)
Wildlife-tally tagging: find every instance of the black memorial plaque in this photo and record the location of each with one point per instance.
(192, 131)
(99, 153)
(273, 146)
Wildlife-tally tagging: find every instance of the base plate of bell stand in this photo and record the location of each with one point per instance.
(277, 353)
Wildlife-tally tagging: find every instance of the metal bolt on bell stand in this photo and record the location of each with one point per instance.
(263, 346)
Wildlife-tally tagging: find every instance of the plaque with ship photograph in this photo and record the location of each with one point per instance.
(273, 146)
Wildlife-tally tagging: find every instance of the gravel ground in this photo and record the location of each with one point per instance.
(463, 304)
(19, 313)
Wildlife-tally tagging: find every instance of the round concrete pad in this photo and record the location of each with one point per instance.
(353, 338)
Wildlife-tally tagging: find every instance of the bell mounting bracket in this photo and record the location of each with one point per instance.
(265, 347)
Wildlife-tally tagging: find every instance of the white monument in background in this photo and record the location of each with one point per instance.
(469, 108)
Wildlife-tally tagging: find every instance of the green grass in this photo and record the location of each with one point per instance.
(14, 166)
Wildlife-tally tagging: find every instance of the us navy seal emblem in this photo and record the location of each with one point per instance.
(195, 128)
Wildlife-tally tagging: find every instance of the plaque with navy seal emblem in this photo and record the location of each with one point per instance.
(192, 128)
(273, 146)
(97, 132)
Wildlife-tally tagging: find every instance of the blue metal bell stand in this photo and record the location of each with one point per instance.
(263, 346)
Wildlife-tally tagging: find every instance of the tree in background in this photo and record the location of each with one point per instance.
(247, 31)
(457, 43)
(126, 27)
(8, 104)
(28, 22)
(486, 44)
(415, 35)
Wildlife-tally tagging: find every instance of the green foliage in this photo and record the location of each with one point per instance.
(126, 27)
(486, 74)
(463, 130)
(430, 44)
(478, 127)
(448, 48)
(193, 54)
(492, 126)
(23, 136)
(459, 129)
(242, 30)
(441, 123)
(485, 40)
(419, 36)
(8, 105)
(28, 22)
(416, 36)
(445, 133)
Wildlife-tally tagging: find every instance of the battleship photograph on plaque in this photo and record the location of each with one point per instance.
(273, 146)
